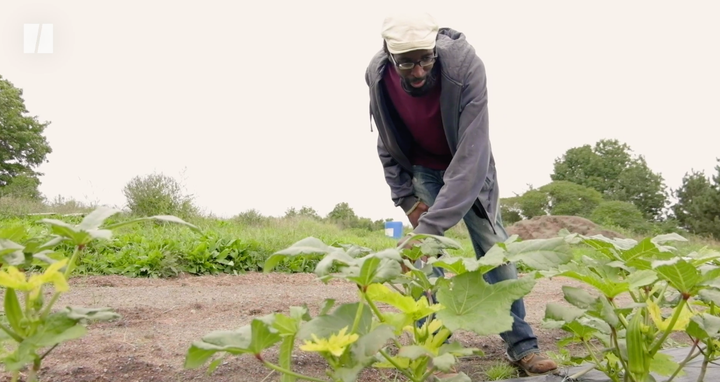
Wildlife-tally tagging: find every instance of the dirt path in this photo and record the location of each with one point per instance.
(161, 317)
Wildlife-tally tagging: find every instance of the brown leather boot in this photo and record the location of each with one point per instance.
(536, 364)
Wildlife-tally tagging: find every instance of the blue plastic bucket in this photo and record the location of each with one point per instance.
(394, 229)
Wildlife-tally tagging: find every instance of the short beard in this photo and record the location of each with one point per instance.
(430, 81)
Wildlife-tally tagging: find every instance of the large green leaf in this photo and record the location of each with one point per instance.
(253, 339)
(679, 273)
(641, 278)
(373, 269)
(664, 364)
(96, 218)
(67, 230)
(709, 295)
(456, 265)
(13, 311)
(85, 315)
(11, 252)
(540, 254)
(473, 304)
(564, 313)
(704, 325)
(289, 325)
(703, 256)
(645, 248)
(664, 238)
(309, 246)
(163, 218)
(325, 325)
(578, 296)
(604, 310)
(604, 285)
(427, 245)
(231, 341)
(367, 347)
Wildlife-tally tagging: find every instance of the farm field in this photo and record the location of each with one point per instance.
(172, 285)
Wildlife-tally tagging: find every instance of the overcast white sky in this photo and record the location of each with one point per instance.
(265, 104)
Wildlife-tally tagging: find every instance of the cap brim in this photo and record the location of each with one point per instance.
(400, 49)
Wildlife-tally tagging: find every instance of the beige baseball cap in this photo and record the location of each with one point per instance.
(409, 31)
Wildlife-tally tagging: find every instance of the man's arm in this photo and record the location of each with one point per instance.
(399, 180)
(465, 176)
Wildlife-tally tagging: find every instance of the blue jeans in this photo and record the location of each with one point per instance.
(520, 340)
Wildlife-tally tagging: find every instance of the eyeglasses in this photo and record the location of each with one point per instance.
(423, 62)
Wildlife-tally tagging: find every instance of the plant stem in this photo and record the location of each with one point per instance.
(48, 352)
(684, 362)
(591, 353)
(15, 376)
(71, 264)
(374, 307)
(379, 315)
(613, 337)
(46, 309)
(703, 369)
(10, 333)
(358, 314)
(398, 367)
(428, 373)
(31, 376)
(291, 373)
(396, 288)
(676, 315)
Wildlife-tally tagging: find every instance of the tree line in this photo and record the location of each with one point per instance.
(609, 185)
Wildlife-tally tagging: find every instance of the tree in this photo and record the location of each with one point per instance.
(698, 207)
(22, 145)
(558, 198)
(158, 194)
(23, 186)
(620, 214)
(610, 168)
(342, 212)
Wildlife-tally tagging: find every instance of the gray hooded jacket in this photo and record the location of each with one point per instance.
(471, 178)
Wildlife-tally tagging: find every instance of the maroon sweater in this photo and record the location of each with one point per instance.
(422, 118)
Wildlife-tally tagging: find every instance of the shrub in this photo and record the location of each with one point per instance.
(158, 194)
(557, 198)
(252, 217)
(620, 214)
(567, 198)
(510, 210)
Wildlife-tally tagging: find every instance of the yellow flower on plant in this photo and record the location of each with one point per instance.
(681, 324)
(335, 345)
(13, 278)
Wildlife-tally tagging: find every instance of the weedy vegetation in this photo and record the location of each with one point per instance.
(30, 330)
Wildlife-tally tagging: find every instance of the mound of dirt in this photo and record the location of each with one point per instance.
(545, 227)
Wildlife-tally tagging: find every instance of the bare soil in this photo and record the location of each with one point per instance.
(544, 227)
(162, 317)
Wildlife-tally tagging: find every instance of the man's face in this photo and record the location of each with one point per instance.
(415, 70)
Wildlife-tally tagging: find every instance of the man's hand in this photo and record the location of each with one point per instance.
(414, 216)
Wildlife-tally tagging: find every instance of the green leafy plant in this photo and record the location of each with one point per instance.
(359, 335)
(670, 293)
(32, 329)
